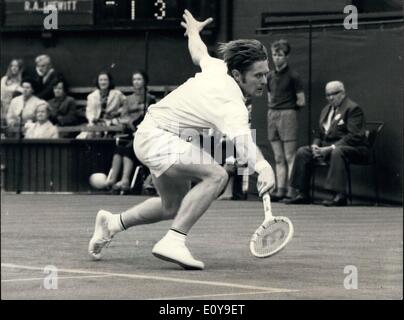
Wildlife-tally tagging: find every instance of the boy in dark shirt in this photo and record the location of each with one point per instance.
(285, 98)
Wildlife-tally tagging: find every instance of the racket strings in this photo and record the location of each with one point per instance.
(271, 237)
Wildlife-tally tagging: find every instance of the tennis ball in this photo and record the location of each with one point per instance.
(98, 180)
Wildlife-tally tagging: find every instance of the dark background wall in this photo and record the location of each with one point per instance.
(247, 14)
(368, 60)
(80, 55)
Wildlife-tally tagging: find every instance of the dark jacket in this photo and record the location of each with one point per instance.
(347, 127)
(63, 112)
(44, 85)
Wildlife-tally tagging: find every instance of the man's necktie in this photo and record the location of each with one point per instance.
(327, 124)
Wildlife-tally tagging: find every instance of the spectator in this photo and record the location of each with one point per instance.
(340, 137)
(45, 76)
(126, 159)
(139, 101)
(285, 98)
(62, 108)
(42, 128)
(23, 107)
(105, 104)
(133, 114)
(10, 85)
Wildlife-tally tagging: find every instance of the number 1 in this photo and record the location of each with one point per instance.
(133, 10)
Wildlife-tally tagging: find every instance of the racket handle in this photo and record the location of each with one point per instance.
(266, 199)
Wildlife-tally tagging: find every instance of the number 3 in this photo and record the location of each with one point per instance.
(162, 9)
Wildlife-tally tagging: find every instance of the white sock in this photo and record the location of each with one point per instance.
(176, 236)
(115, 225)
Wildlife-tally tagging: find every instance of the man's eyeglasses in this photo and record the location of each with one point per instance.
(330, 94)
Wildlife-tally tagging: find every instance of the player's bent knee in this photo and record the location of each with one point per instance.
(224, 178)
(220, 177)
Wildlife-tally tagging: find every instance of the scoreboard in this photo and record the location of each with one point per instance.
(136, 14)
(154, 13)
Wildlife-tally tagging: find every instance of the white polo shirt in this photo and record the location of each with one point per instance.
(211, 99)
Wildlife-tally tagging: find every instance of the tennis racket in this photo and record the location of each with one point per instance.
(272, 235)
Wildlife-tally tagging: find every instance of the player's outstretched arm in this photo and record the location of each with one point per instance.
(197, 48)
(249, 153)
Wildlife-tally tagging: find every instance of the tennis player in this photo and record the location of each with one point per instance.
(214, 98)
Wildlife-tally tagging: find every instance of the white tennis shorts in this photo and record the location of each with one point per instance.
(159, 149)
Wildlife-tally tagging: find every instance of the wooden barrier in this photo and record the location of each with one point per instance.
(53, 165)
(78, 128)
(62, 165)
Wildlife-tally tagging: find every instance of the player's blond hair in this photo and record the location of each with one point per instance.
(241, 54)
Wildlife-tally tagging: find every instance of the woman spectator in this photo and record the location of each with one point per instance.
(136, 106)
(11, 84)
(63, 108)
(42, 128)
(139, 101)
(105, 104)
(23, 107)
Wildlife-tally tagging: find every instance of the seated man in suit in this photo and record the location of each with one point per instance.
(341, 137)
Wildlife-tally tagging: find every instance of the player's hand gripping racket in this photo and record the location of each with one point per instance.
(272, 235)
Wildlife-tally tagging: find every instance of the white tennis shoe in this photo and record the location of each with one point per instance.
(176, 251)
(102, 235)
